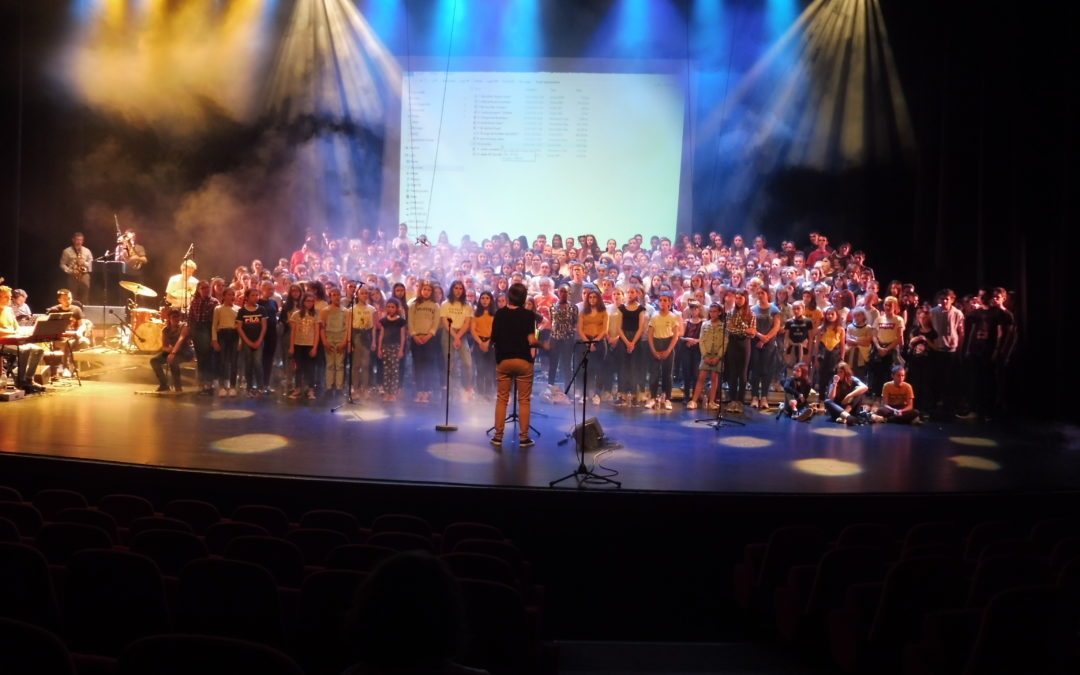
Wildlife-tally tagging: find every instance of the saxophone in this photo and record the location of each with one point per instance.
(79, 269)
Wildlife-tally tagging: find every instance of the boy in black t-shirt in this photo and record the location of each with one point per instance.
(798, 330)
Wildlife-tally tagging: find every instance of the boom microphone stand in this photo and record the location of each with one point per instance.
(582, 473)
(446, 426)
(719, 422)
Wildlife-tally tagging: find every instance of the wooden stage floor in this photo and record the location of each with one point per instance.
(651, 451)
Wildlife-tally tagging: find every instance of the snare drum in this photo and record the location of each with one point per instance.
(141, 315)
(148, 335)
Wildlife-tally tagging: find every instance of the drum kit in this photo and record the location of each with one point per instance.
(140, 329)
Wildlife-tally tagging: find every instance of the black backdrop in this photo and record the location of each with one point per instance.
(988, 200)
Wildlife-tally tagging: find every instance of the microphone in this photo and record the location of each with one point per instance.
(422, 240)
(190, 251)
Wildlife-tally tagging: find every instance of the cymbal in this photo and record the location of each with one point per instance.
(138, 289)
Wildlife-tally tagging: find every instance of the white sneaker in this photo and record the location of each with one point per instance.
(667, 404)
(692, 405)
(650, 403)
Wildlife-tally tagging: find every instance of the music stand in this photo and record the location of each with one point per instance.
(582, 473)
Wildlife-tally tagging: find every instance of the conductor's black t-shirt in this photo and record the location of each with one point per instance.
(510, 332)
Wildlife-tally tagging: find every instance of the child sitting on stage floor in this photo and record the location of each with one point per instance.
(797, 391)
(844, 402)
(897, 400)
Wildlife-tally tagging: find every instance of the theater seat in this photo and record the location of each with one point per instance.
(125, 508)
(358, 557)
(501, 638)
(205, 655)
(281, 558)
(198, 514)
(456, 532)
(402, 541)
(401, 522)
(329, 519)
(25, 516)
(325, 598)
(51, 502)
(26, 587)
(801, 607)
(59, 541)
(316, 544)
(9, 532)
(219, 535)
(230, 598)
(112, 598)
(787, 547)
(270, 518)
(1025, 630)
(156, 523)
(9, 494)
(26, 649)
(85, 516)
(171, 550)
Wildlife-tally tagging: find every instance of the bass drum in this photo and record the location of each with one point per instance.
(140, 316)
(148, 336)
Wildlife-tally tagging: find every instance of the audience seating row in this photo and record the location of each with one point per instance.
(941, 599)
(103, 578)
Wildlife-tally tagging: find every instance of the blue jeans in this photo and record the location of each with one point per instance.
(252, 361)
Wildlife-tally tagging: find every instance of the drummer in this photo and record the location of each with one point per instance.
(181, 288)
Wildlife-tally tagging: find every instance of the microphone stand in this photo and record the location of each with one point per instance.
(104, 287)
(185, 278)
(719, 422)
(582, 473)
(446, 426)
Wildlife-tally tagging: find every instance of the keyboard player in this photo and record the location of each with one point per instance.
(28, 355)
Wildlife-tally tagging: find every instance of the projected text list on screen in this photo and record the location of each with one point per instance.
(542, 152)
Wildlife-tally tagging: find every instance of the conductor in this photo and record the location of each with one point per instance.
(513, 333)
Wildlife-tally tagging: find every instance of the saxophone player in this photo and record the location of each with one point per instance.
(77, 262)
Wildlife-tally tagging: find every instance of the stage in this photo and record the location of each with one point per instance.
(690, 493)
(369, 441)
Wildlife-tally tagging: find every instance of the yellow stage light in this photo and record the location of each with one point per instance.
(974, 462)
(464, 453)
(229, 414)
(834, 432)
(821, 466)
(744, 441)
(974, 441)
(250, 444)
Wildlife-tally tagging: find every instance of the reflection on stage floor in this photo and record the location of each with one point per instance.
(649, 450)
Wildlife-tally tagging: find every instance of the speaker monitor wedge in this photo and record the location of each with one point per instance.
(591, 432)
